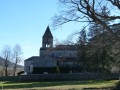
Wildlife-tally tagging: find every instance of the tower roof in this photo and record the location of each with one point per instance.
(47, 33)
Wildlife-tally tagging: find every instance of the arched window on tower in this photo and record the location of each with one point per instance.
(47, 45)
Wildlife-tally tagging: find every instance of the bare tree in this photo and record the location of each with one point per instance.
(17, 52)
(7, 55)
(89, 11)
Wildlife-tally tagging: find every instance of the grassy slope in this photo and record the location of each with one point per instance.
(60, 85)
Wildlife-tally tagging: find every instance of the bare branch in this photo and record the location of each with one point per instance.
(115, 3)
(87, 11)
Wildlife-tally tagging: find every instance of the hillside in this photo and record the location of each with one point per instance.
(11, 64)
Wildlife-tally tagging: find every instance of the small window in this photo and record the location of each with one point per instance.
(47, 45)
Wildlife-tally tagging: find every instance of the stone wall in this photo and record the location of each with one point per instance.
(9, 78)
(67, 77)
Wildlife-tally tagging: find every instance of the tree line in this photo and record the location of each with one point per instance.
(99, 40)
(98, 53)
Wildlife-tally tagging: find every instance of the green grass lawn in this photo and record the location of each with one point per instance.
(58, 85)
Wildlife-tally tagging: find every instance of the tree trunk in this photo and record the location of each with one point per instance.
(6, 71)
(15, 67)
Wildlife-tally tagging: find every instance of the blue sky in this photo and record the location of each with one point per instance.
(24, 22)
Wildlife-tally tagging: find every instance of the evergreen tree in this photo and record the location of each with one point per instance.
(82, 41)
(99, 46)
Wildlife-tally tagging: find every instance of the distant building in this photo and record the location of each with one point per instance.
(63, 57)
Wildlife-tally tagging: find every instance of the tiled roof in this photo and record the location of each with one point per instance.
(32, 58)
(66, 47)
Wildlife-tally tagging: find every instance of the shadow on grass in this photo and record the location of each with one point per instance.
(117, 86)
(18, 85)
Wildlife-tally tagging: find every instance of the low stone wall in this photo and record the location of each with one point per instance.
(67, 77)
(9, 78)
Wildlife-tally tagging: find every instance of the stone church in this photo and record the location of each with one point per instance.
(61, 58)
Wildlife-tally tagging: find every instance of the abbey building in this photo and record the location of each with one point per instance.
(61, 58)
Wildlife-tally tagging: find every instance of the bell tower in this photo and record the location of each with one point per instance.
(47, 39)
